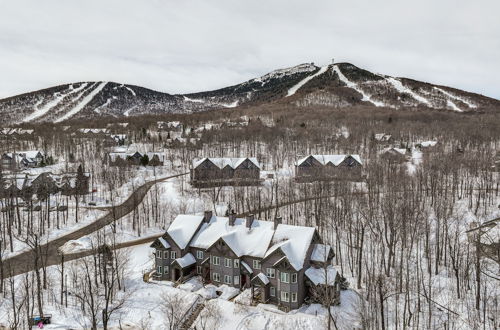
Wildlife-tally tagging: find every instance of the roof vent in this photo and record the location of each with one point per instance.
(249, 221)
(207, 216)
(232, 219)
(277, 221)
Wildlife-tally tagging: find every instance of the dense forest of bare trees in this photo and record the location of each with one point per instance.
(400, 234)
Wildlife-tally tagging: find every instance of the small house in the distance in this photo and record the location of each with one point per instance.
(328, 167)
(209, 172)
(395, 155)
(135, 159)
(22, 159)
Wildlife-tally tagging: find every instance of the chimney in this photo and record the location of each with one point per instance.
(232, 219)
(250, 219)
(277, 221)
(207, 216)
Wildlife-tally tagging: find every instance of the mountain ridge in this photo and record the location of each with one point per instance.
(338, 85)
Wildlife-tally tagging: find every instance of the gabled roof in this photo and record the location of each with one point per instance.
(185, 261)
(401, 151)
(162, 242)
(335, 160)
(320, 252)
(260, 241)
(183, 228)
(322, 276)
(223, 162)
(293, 241)
(261, 278)
(247, 267)
(239, 238)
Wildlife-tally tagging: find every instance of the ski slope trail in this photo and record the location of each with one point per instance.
(304, 81)
(39, 112)
(405, 90)
(354, 86)
(456, 98)
(86, 100)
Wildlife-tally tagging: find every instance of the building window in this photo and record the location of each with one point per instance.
(270, 272)
(165, 270)
(285, 296)
(199, 254)
(285, 277)
(228, 262)
(158, 254)
(272, 291)
(198, 269)
(215, 260)
(294, 297)
(173, 255)
(216, 277)
(227, 279)
(165, 254)
(236, 263)
(236, 280)
(294, 278)
(256, 264)
(159, 270)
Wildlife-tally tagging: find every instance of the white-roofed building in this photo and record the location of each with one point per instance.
(22, 159)
(328, 167)
(136, 158)
(396, 154)
(225, 171)
(268, 256)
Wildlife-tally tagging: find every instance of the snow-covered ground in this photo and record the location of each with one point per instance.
(143, 308)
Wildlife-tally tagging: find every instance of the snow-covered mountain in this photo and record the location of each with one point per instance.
(334, 85)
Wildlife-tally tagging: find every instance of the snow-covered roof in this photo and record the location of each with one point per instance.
(260, 240)
(294, 241)
(333, 159)
(401, 151)
(182, 229)
(186, 260)
(320, 252)
(426, 144)
(30, 153)
(164, 243)
(223, 162)
(263, 278)
(382, 137)
(322, 276)
(243, 241)
(247, 267)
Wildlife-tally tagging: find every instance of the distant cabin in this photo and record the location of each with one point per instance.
(281, 264)
(22, 159)
(395, 155)
(24, 185)
(225, 171)
(328, 167)
(135, 158)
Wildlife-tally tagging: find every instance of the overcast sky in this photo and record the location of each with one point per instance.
(187, 46)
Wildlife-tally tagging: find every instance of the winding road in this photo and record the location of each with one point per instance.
(24, 262)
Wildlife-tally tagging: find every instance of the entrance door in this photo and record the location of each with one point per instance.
(243, 281)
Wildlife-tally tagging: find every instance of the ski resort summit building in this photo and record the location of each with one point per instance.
(282, 264)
